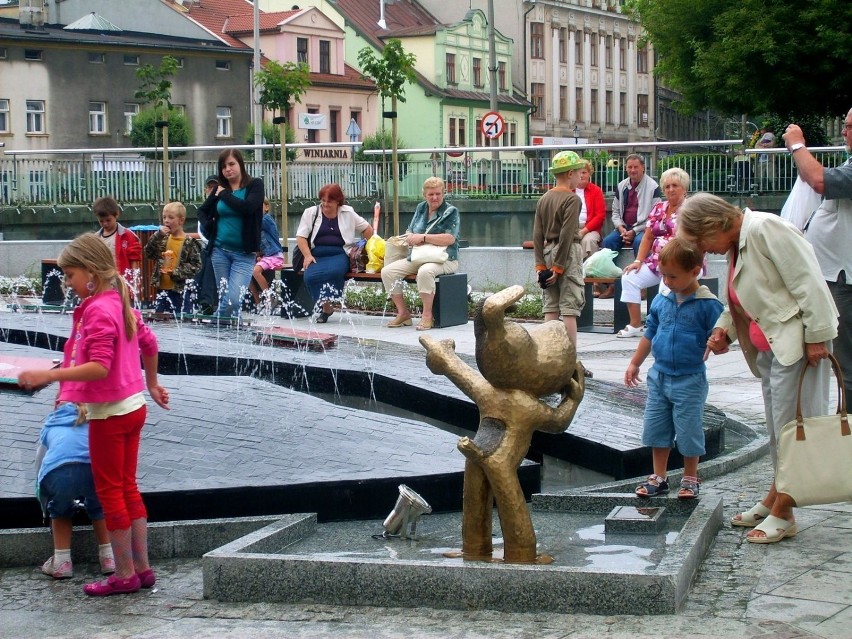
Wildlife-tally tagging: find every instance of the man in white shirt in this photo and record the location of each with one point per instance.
(830, 232)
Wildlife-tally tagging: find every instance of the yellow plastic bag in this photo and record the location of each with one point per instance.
(375, 254)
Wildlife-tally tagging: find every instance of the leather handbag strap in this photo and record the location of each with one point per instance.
(841, 400)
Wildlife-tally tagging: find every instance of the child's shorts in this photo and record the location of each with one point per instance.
(674, 411)
(61, 486)
(271, 262)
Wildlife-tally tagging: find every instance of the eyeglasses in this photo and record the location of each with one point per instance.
(846, 127)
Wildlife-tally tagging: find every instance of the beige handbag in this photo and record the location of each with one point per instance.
(423, 253)
(396, 248)
(814, 453)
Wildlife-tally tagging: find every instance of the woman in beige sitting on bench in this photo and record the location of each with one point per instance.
(660, 228)
(434, 222)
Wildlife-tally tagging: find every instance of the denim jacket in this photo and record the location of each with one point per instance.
(679, 332)
(270, 244)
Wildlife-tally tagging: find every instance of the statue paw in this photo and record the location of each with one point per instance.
(469, 449)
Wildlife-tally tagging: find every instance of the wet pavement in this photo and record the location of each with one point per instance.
(800, 587)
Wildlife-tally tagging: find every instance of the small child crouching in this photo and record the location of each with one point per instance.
(64, 475)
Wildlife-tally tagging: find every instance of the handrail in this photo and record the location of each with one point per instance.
(138, 150)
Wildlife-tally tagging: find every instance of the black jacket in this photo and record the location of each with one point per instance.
(251, 210)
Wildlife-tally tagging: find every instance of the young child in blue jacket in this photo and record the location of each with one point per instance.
(65, 475)
(676, 332)
(271, 254)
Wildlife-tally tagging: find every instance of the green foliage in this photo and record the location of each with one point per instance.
(753, 56)
(272, 134)
(156, 88)
(811, 126)
(282, 83)
(381, 140)
(390, 71)
(144, 130)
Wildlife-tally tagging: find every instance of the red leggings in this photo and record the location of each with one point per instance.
(114, 449)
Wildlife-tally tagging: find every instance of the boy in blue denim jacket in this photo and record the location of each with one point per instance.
(676, 332)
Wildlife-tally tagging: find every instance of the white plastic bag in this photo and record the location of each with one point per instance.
(801, 202)
(601, 264)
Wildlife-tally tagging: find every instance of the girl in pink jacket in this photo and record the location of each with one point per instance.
(101, 371)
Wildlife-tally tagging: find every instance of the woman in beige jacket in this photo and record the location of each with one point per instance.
(781, 311)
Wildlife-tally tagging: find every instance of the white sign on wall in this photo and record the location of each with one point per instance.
(312, 121)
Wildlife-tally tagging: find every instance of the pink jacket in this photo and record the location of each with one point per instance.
(98, 336)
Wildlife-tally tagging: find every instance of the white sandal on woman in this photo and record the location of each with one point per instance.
(751, 517)
(631, 331)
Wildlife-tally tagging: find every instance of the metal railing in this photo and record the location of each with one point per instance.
(79, 176)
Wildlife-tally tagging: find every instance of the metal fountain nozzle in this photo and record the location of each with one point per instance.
(402, 520)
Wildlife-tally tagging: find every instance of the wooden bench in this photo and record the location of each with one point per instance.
(450, 308)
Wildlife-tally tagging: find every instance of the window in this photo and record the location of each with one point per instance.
(513, 134)
(477, 72)
(179, 108)
(4, 116)
(478, 128)
(642, 59)
(622, 109)
(593, 106)
(223, 65)
(130, 111)
(593, 49)
(312, 133)
(325, 56)
(452, 133)
(36, 117)
(578, 104)
(179, 62)
(97, 118)
(578, 47)
(622, 54)
(563, 45)
(537, 40)
(223, 122)
(3, 53)
(608, 52)
(131, 60)
(33, 55)
(642, 110)
(462, 131)
(457, 132)
(537, 98)
(334, 125)
(451, 68)
(608, 107)
(563, 102)
(355, 115)
(302, 50)
(96, 58)
(501, 75)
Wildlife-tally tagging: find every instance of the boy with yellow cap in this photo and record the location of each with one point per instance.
(558, 257)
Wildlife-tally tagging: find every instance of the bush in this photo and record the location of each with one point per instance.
(142, 134)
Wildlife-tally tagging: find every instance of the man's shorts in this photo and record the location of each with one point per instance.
(271, 262)
(63, 485)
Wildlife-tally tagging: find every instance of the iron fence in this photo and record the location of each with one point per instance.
(27, 180)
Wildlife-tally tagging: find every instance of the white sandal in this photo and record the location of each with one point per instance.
(752, 517)
(631, 331)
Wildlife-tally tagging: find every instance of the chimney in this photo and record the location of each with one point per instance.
(31, 14)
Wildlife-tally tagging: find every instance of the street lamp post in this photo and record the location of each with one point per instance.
(576, 135)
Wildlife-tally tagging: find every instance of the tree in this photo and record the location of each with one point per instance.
(144, 131)
(279, 85)
(156, 90)
(753, 56)
(272, 134)
(390, 71)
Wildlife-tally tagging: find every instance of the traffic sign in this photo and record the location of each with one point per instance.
(492, 125)
(455, 154)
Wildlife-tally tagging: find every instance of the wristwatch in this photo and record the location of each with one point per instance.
(796, 147)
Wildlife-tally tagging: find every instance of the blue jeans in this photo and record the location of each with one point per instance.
(66, 483)
(235, 268)
(613, 241)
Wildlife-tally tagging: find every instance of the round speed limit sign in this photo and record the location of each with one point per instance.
(492, 125)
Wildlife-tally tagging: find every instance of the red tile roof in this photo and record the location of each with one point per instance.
(351, 78)
(244, 23)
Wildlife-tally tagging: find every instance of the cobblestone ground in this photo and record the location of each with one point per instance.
(721, 604)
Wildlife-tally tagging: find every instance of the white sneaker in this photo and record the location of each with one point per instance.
(107, 565)
(65, 570)
(631, 331)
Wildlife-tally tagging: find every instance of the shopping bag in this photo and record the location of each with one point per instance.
(601, 264)
(801, 202)
(375, 254)
(814, 453)
(396, 248)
